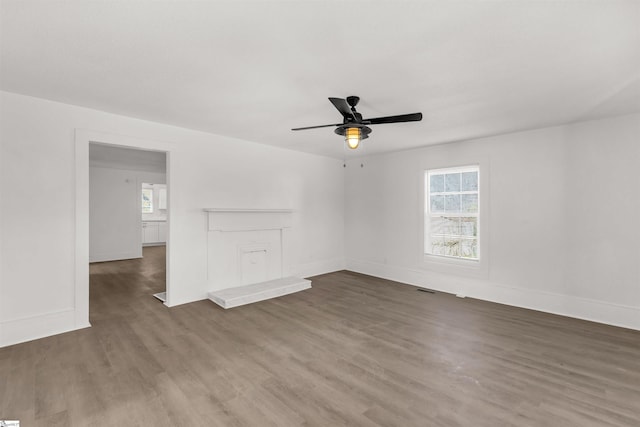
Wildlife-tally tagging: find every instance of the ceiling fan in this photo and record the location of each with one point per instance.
(353, 127)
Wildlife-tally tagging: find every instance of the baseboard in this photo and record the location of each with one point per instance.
(31, 328)
(175, 301)
(565, 305)
(318, 267)
(115, 256)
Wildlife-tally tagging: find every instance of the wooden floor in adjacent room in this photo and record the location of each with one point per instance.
(353, 350)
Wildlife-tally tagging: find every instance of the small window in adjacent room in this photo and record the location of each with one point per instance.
(147, 200)
(452, 214)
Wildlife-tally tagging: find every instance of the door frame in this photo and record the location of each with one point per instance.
(83, 137)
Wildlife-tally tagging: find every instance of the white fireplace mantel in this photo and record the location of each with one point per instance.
(236, 219)
(248, 255)
(242, 210)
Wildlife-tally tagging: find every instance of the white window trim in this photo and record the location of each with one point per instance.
(463, 169)
(449, 265)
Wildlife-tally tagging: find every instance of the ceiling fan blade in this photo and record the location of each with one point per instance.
(342, 106)
(315, 127)
(414, 117)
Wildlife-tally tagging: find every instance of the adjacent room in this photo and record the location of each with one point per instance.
(128, 202)
(281, 213)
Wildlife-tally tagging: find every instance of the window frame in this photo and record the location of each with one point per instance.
(142, 207)
(429, 215)
(442, 269)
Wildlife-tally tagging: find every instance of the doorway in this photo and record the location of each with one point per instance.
(154, 223)
(127, 209)
(103, 159)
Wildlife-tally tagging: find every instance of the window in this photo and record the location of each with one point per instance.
(147, 200)
(452, 212)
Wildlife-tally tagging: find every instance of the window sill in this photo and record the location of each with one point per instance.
(456, 266)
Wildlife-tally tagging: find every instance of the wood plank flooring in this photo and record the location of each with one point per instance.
(353, 350)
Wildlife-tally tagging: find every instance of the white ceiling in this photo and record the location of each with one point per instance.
(253, 70)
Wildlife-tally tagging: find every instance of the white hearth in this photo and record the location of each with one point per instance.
(248, 255)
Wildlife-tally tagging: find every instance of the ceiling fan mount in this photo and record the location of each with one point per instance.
(353, 127)
(353, 101)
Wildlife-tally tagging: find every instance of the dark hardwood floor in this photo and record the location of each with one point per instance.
(353, 350)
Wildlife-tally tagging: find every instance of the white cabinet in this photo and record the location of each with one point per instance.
(150, 232)
(162, 198)
(162, 232)
(154, 232)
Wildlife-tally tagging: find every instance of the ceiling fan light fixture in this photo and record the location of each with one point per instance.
(353, 136)
(353, 127)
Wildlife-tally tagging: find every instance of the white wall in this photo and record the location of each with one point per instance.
(561, 217)
(114, 212)
(38, 242)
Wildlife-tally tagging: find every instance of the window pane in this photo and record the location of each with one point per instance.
(437, 204)
(147, 200)
(451, 225)
(452, 182)
(470, 181)
(468, 226)
(445, 225)
(437, 225)
(436, 184)
(452, 203)
(451, 246)
(470, 203)
(469, 248)
(437, 245)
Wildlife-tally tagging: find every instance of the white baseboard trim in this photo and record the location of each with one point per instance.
(31, 328)
(115, 256)
(565, 305)
(318, 267)
(174, 301)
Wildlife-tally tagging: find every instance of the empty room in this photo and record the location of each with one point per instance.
(319, 213)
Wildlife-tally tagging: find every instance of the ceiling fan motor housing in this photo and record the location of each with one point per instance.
(364, 130)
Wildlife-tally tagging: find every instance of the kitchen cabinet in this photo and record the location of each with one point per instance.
(154, 232)
(162, 198)
(162, 232)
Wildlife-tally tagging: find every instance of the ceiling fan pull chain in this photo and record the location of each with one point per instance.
(344, 154)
